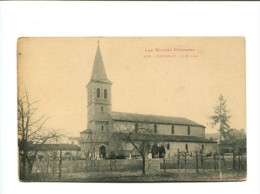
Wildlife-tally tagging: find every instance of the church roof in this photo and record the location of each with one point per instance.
(163, 138)
(98, 70)
(121, 116)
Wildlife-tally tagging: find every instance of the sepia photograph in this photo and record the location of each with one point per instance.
(131, 109)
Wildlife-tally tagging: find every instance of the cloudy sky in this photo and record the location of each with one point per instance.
(180, 77)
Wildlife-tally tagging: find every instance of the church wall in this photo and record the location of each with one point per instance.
(110, 127)
(98, 108)
(180, 130)
(163, 129)
(86, 148)
(130, 126)
(91, 125)
(101, 134)
(98, 105)
(90, 112)
(85, 137)
(171, 152)
(192, 148)
(101, 116)
(90, 94)
(123, 126)
(197, 131)
(102, 87)
(149, 127)
(94, 149)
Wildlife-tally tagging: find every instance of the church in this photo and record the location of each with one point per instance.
(173, 133)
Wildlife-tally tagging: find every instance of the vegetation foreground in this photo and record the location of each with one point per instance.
(170, 176)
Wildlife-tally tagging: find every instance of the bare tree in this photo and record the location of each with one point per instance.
(31, 131)
(139, 136)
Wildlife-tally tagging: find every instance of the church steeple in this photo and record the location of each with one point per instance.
(98, 70)
(99, 96)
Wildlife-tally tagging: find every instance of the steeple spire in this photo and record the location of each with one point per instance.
(98, 70)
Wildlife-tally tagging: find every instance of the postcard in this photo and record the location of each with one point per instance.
(131, 109)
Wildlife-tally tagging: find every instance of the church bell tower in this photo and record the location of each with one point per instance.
(99, 99)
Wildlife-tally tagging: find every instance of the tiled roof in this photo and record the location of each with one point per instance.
(121, 116)
(163, 138)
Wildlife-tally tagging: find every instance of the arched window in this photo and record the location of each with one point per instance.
(172, 129)
(202, 147)
(155, 128)
(188, 130)
(102, 128)
(186, 147)
(136, 127)
(168, 146)
(102, 108)
(98, 93)
(105, 93)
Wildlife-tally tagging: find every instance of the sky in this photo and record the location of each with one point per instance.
(169, 76)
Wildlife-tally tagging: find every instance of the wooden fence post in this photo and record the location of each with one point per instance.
(77, 160)
(223, 161)
(178, 161)
(197, 161)
(234, 162)
(185, 161)
(239, 163)
(214, 158)
(98, 165)
(202, 161)
(164, 165)
(111, 169)
(53, 164)
(86, 165)
(60, 164)
(130, 164)
(48, 162)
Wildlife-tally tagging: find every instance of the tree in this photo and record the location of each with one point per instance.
(155, 150)
(31, 131)
(139, 136)
(221, 116)
(162, 151)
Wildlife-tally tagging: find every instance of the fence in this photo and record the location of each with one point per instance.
(181, 163)
(52, 166)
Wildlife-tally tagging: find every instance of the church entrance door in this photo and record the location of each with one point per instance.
(102, 151)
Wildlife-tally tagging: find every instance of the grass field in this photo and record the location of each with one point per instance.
(169, 176)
